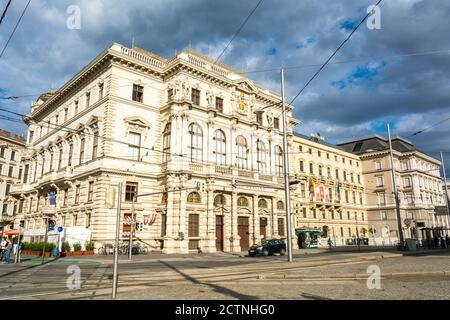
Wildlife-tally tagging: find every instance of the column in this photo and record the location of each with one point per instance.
(171, 231)
(209, 242)
(274, 228)
(256, 230)
(183, 242)
(235, 239)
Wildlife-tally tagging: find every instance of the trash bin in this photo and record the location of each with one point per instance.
(55, 252)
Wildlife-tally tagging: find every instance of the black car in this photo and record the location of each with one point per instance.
(268, 247)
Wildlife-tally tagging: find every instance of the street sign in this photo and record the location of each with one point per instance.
(60, 229)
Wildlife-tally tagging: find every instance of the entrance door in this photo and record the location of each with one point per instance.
(219, 233)
(243, 232)
(263, 227)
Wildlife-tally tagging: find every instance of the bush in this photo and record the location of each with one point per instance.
(65, 247)
(26, 246)
(90, 246)
(76, 247)
(49, 247)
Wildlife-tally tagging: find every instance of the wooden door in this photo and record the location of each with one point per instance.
(263, 227)
(219, 233)
(243, 232)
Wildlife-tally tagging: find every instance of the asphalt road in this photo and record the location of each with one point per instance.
(322, 275)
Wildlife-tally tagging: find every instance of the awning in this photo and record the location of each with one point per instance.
(10, 233)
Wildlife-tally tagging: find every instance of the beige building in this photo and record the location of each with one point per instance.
(419, 184)
(330, 193)
(11, 148)
(157, 125)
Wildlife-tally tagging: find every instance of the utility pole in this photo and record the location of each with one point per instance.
(287, 195)
(132, 227)
(116, 242)
(397, 200)
(447, 202)
(45, 239)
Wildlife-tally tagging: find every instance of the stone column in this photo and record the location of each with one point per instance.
(171, 219)
(183, 218)
(256, 231)
(235, 239)
(274, 215)
(209, 243)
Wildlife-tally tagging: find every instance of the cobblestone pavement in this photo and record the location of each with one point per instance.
(321, 275)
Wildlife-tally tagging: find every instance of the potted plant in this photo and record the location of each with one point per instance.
(65, 249)
(89, 248)
(77, 249)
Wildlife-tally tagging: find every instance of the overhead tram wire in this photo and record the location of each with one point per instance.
(238, 31)
(428, 128)
(333, 54)
(15, 28)
(4, 11)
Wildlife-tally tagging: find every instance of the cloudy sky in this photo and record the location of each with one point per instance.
(396, 74)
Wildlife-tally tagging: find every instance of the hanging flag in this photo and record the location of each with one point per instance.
(339, 188)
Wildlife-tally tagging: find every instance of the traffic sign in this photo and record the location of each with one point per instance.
(60, 229)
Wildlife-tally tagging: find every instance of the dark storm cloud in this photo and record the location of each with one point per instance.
(412, 91)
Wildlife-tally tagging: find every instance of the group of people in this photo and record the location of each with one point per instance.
(6, 248)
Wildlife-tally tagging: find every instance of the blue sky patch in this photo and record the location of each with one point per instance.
(348, 25)
(379, 126)
(364, 72)
(271, 51)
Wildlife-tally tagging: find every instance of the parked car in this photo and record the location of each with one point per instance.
(268, 247)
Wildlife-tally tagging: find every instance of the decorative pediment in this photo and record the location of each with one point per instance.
(247, 86)
(137, 121)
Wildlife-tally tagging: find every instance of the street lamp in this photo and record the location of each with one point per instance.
(286, 167)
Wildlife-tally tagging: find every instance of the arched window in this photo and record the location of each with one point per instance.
(262, 203)
(220, 147)
(242, 202)
(194, 197)
(195, 142)
(278, 161)
(261, 152)
(166, 142)
(241, 144)
(280, 205)
(219, 200)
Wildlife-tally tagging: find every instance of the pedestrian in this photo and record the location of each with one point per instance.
(7, 253)
(330, 243)
(2, 248)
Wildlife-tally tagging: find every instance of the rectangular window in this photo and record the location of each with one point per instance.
(303, 190)
(219, 104)
(7, 189)
(337, 174)
(69, 161)
(100, 91)
(195, 96)
(359, 179)
(66, 196)
(134, 146)
(193, 230)
(319, 153)
(311, 168)
(88, 220)
(377, 165)
(31, 137)
(88, 99)
(77, 194)
(90, 191)
(304, 212)
(2, 152)
(57, 119)
(95, 145)
(5, 209)
(407, 182)
(21, 202)
(75, 112)
(66, 114)
(259, 119)
(130, 191)
(380, 181)
(309, 150)
(51, 161)
(276, 123)
(13, 155)
(170, 94)
(281, 227)
(163, 225)
(138, 93)
(60, 154)
(302, 169)
(10, 171)
(25, 175)
(381, 198)
(300, 148)
(383, 215)
(82, 145)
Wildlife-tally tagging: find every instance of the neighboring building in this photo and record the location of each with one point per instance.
(156, 125)
(330, 195)
(11, 148)
(448, 189)
(419, 184)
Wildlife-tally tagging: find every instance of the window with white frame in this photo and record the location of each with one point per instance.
(278, 161)
(377, 165)
(241, 144)
(134, 146)
(166, 142)
(261, 153)
(380, 181)
(195, 142)
(381, 198)
(220, 147)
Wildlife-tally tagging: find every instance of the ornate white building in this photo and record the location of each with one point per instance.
(157, 125)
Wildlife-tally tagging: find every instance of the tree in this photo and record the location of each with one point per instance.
(372, 230)
(363, 231)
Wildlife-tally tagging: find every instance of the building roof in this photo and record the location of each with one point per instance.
(315, 140)
(12, 137)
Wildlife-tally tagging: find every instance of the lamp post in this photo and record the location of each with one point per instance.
(286, 168)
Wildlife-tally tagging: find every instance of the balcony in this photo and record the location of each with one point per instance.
(245, 174)
(223, 170)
